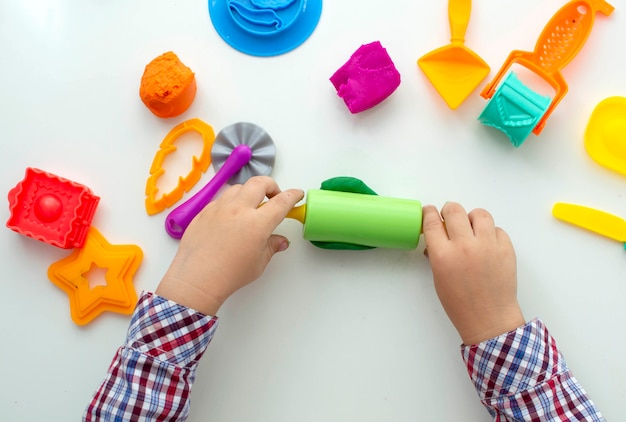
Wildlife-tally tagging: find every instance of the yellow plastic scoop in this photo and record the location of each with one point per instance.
(605, 136)
(455, 70)
(594, 220)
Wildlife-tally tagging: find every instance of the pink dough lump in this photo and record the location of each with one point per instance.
(367, 78)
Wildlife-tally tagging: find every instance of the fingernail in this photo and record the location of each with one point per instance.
(283, 246)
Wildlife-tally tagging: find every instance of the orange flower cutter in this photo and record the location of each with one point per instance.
(118, 295)
(558, 44)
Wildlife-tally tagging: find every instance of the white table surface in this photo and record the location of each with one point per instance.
(332, 336)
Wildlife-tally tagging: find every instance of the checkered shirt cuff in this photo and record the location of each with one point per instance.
(521, 375)
(169, 332)
(513, 361)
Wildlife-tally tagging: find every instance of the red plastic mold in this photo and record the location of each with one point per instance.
(51, 209)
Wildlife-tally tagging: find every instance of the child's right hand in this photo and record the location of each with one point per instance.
(228, 244)
(474, 271)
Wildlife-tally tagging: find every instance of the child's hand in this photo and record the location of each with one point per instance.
(228, 245)
(474, 271)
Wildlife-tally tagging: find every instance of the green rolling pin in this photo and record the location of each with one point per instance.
(355, 218)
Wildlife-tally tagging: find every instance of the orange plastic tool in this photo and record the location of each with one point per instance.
(118, 295)
(558, 44)
(455, 70)
(199, 165)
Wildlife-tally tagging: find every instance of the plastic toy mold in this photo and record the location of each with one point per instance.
(199, 165)
(118, 295)
(51, 209)
(265, 27)
(605, 136)
(455, 70)
(559, 42)
(514, 109)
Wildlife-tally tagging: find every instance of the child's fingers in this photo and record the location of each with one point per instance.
(254, 191)
(432, 226)
(277, 243)
(503, 237)
(456, 221)
(230, 192)
(482, 223)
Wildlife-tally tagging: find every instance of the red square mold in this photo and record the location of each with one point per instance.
(51, 209)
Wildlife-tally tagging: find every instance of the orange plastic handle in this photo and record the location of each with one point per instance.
(564, 36)
(559, 42)
(459, 15)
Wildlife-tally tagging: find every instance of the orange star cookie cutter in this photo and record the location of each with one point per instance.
(118, 295)
(199, 165)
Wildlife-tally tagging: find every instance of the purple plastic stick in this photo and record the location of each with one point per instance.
(177, 221)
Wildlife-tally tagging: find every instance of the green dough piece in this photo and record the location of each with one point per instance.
(344, 184)
(347, 184)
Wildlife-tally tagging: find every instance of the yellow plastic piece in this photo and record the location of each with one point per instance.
(559, 42)
(199, 165)
(594, 220)
(455, 70)
(118, 295)
(605, 136)
(298, 213)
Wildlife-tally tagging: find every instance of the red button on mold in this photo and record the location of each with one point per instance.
(52, 209)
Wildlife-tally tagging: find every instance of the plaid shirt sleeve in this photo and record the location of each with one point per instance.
(151, 376)
(522, 376)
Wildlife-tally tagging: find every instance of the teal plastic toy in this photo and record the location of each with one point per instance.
(515, 109)
(559, 42)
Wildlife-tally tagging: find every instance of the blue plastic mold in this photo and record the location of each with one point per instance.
(265, 27)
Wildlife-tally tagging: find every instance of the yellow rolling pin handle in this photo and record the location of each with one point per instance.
(597, 221)
(298, 213)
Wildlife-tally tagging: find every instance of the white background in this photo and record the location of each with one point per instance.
(332, 336)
